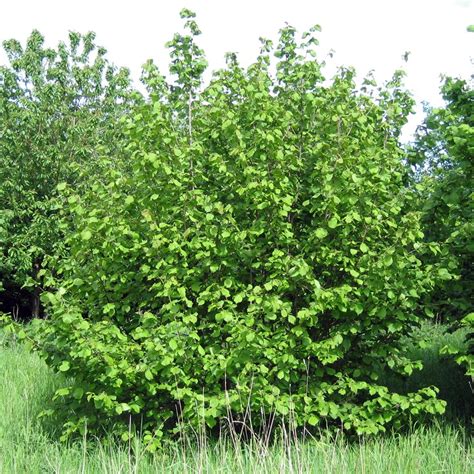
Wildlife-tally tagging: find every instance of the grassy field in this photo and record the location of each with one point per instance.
(26, 446)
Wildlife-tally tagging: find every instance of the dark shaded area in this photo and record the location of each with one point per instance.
(440, 371)
(17, 301)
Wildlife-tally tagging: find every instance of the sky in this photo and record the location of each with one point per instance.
(366, 34)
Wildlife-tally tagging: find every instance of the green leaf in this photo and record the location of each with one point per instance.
(173, 344)
(64, 367)
(282, 408)
(238, 298)
(77, 393)
(148, 374)
(313, 420)
(86, 235)
(321, 233)
(250, 337)
(468, 319)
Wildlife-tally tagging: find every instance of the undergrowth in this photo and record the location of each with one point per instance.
(29, 445)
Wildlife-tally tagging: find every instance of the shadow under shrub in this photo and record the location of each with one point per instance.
(426, 344)
(261, 256)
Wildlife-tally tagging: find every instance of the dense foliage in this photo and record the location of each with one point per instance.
(59, 110)
(248, 252)
(262, 256)
(444, 166)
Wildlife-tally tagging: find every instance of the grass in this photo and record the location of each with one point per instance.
(27, 446)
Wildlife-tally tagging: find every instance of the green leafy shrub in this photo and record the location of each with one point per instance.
(260, 259)
(428, 343)
(464, 356)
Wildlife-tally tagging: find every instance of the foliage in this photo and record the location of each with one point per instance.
(428, 343)
(465, 357)
(27, 445)
(443, 159)
(262, 257)
(58, 113)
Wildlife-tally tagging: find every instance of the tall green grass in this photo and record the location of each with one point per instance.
(28, 446)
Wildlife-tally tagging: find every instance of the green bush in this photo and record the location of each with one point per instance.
(260, 259)
(427, 344)
(464, 356)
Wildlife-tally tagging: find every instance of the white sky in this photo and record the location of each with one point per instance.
(367, 34)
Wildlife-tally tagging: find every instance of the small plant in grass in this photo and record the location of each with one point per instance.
(262, 255)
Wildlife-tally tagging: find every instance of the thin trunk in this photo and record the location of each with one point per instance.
(190, 133)
(35, 300)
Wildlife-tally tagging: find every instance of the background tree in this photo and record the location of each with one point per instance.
(443, 161)
(59, 111)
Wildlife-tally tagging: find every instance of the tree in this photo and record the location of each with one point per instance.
(443, 162)
(59, 111)
(262, 257)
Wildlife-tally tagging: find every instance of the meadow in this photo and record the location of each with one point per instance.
(30, 445)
